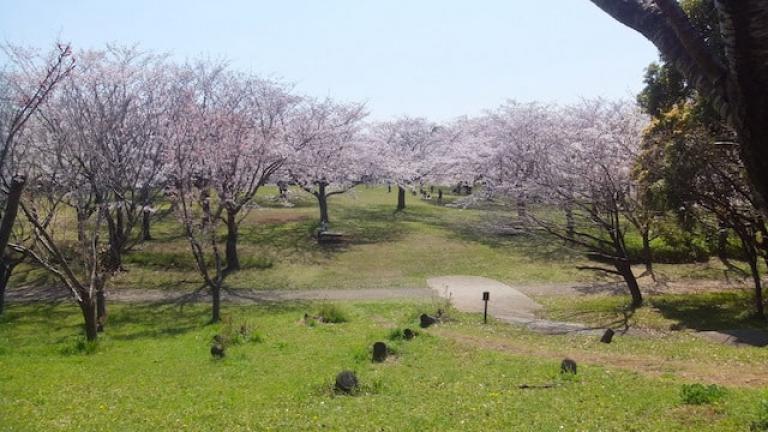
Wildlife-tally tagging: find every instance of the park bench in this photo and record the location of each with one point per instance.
(330, 237)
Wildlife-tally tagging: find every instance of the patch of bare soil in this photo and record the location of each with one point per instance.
(648, 365)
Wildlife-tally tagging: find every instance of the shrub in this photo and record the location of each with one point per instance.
(700, 394)
(395, 334)
(236, 333)
(332, 313)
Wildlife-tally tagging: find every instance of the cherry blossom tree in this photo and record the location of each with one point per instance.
(81, 265)
(518, 138)
(107, 121)
(327, 154)
(227, 136)
(590, 173)
(410, 151)
(251, 148)
(24, 86)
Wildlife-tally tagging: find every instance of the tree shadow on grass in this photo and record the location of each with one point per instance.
(710, 311)
(153, 321)
(292, 241)
(371, 224)
(609, 287)
(39, 313)
(537, 246)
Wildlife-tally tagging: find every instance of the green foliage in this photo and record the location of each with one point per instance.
(664, 87)
(676, 245)
(235, 332)
(80, 345)
(332, 313)
(761, 423)
(395, 334)
(700, 394)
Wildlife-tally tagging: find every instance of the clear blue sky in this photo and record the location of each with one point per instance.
(433, 58)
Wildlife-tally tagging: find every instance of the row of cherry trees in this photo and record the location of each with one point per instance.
(126, 131)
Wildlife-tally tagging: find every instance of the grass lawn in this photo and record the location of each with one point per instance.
(152, 371)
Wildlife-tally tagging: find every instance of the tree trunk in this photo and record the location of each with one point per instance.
(751, 256)
(11, 209)
(101, 309)
(233, 262)
(522, 211)
(88, 307)
(625, 270)
(6, 269)
(722, 241)
(216, 304)
(322, 200)
(400, 198)
(647, 253)
(754, 151)
(146, 234)
(114, 226)
(759, 306)
(570, 224)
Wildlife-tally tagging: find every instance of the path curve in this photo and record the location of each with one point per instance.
(506, 303)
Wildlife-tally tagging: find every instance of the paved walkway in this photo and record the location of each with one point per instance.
(506, 303)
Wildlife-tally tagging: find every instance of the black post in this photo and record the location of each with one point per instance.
(486, 297)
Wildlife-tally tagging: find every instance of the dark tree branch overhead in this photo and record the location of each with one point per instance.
(738, 90)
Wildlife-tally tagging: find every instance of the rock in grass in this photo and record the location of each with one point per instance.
(568, 366)
(426, 320)
(408, 334)
(346, 381)
(217, 350)
(379, 352)
(607, 336)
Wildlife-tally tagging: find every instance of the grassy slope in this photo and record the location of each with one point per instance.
(152, 371)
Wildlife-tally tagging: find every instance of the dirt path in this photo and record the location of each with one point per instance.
(32, 294)
(128, 295)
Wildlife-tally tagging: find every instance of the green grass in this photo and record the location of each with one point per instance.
(152, 370)
(699, 394)
(701, 311)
